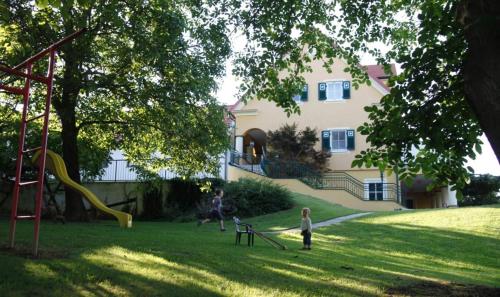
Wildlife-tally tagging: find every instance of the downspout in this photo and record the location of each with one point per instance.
(226, 164)
(398, 193)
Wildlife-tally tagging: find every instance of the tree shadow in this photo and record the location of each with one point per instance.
(160, 259)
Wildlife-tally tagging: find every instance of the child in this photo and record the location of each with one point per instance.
(216, 211)
(306, 227)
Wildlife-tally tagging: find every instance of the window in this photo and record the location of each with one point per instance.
(375, 189)
(302, 96)
(334, 90)
(297, 98)
(338, 139)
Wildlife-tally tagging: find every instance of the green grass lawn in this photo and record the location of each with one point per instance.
(362, 257)
(320, 211)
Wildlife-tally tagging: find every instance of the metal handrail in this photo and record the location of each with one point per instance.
(337, 180)
(248, 162)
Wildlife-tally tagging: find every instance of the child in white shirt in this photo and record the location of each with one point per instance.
(306, 227)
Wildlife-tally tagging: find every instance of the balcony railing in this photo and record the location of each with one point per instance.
(248, 162)
(121, 171)
(276, 168)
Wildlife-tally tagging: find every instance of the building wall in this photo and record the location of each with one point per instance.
(321, 115)
(316, 114)
(338, 197)
(362, 174)
(439, 198)
(108, 193)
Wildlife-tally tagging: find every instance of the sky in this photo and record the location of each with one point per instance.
(483, 164)
(486, 162)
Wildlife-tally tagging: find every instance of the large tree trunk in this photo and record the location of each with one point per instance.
(66, 109)
(481, 20)
(75, 210)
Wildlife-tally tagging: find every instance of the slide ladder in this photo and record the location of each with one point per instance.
(24, 71)
(55, 164)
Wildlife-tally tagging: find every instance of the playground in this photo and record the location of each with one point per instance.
(439, 252)
(366, 256)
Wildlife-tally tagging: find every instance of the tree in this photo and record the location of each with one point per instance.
(141, 63)
(483, 189)
(444, 99)
(288, 144)
(141, 79)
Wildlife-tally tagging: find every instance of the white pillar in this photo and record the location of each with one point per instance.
(239, 144)
(450, 197)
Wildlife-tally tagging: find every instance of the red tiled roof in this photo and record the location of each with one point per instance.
(377, 73)
(228, 115)
(231, 107)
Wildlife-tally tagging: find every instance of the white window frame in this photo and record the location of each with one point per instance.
(341, 82)
(368, 181)
(331, 140)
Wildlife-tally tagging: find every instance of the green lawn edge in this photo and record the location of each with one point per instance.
(361, 257)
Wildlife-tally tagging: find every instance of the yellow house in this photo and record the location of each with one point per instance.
(329, 105)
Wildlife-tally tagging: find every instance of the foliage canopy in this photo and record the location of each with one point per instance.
(142, 78)
(482, 189)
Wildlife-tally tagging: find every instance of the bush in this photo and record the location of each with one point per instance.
(250, 197)
(152, 202)
(288, 144)
(482, 190)
(185, 196)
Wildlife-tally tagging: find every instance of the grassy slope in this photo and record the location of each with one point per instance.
(358, 258)
(320, 211)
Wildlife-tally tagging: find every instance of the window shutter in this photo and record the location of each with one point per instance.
(304, 95)
(322, 91)
(325, 140)
(346, 86)
(350, 139)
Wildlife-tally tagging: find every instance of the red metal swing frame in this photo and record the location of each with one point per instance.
(47, 80)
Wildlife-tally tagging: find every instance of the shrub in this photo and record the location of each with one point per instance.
(250, 197)
(152, 202)
(185, 196)
(482, 189)
(288, 144)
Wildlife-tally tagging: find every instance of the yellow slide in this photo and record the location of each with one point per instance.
(56, 165)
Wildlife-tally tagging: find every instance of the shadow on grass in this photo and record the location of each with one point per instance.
(160, 259)
(377, 256)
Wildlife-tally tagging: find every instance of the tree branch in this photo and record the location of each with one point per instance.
(117, 122)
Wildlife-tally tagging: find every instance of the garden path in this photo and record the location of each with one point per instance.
(323, 223)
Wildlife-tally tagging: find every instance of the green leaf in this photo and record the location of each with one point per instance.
(42, 3)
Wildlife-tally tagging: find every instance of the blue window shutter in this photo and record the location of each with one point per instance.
(325, 140)
(305, 93)
(346, 86)
(350, 139)
(322, 91)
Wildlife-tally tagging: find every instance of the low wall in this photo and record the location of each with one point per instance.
(108, 192)
(335, 196)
